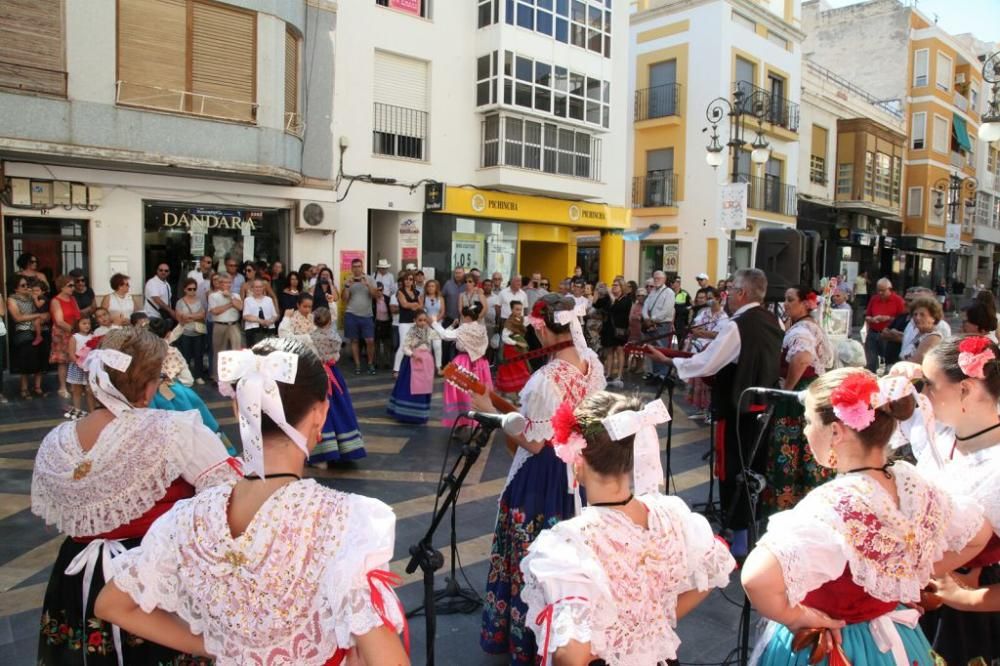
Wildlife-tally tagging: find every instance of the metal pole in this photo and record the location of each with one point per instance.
(735, 142)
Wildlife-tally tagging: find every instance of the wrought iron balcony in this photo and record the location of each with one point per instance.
(769, 194)
(658, 102)
(656, 188)
(779, 110)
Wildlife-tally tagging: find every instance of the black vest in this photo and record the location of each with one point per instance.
(759, 362)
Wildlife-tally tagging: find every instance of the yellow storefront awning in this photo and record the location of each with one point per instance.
(472, 202)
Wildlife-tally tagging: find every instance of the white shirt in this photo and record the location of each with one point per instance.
(722, 351)
(388, 282)
(492, 301)
(252, 306)
(204, 286)
(155, 287)
(217, 299)
(659, 305)
(506, 296)
(910, 335)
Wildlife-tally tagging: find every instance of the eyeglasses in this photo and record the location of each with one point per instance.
(544, 284)
(190, 288)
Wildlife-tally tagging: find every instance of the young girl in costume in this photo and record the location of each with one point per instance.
(857, 550)
(511, 377)
(471, 340)
(538, 493)
(75, 375)
(410, 401)
(611, 583)
(273, 569)
(341, 438)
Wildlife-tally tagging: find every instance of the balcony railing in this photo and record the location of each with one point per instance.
(25, 78)
(658, 102)
(654, 189)
(779, 112)
(399, 131)
(769, 194)
(184, 101)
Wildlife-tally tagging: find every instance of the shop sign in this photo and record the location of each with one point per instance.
(467, 250)
(499, 258)
(409, 227)
(953, 237)
(524, 208)
(434, 193)
(200, 220)
(671, 257)
(347, 257)
(198, 244)
(409, 254)
(734, 206)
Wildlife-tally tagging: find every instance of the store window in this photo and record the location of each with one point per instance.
(59, 244)
(178, 234)
(450, 241)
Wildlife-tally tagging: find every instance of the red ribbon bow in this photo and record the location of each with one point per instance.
(390, 580)
(331, 379)
(545, 619)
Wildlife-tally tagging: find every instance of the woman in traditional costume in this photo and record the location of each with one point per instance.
(102, 480)
(410, 401)
(472, 341)
(806, 353)
(857, 550)
(513, 375)
(273, 569)
(298, 321)
(963, 383)
(611, 583)
(538, 493)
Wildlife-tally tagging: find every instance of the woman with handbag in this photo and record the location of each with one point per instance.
(28, 358)
(64, 312)
(191, 315)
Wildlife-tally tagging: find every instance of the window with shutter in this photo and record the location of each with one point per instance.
(32, 47)
(188, 56)
(293, 120)
(399, 119)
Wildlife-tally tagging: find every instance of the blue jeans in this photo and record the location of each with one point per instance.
(193, 350)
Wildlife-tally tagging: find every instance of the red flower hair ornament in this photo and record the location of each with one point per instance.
(855, 400)
(973, 354)
(812, 300)
(567, 436)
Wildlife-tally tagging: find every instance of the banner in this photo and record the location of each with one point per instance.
(953, 237)
(734, 207)
(467, 250)
(408, 6)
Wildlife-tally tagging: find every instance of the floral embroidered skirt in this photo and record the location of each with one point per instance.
(341, 439)
(68, 630)
(859, 647)
(511, 377)
(534, 500)
(456, 402)
(791, 469)
(961, 637)
(59, 350)
(404, 406)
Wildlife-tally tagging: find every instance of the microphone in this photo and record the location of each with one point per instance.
(512, 423)
(778, 394)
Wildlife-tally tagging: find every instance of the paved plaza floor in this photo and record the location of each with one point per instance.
(402, 469)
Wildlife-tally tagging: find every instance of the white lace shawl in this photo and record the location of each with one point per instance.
(621, 600)
(851, 521)
(545, 390)
(976, 475)
(136, 457)
(295, 324)
(292, 589)
(805, 335)
(470, 337)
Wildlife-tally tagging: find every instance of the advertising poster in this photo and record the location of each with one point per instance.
(408, 6)
(467, 250)
(734, 206)
(500, 259)
(671, 257)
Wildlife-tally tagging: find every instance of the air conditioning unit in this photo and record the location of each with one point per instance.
(316, 216)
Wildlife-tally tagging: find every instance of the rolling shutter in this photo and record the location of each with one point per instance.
(32, 46)
(223, 60)
(400, 81)
(152, 53)
(819, 137)
(291, 75)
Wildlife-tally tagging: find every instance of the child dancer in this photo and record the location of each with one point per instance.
(472, 342)
(511, 377)
(611, 583)
(76, 377)
(410, 401)
(341, 439)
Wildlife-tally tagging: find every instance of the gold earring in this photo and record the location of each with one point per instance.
(831, 460)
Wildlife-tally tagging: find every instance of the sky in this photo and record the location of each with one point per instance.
(980, 17)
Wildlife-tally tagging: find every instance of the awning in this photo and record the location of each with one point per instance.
(961, 132)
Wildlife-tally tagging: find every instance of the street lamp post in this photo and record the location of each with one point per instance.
(956, 189)
(754, 104)
(989, 129)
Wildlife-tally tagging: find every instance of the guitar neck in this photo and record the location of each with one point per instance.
(503, 406)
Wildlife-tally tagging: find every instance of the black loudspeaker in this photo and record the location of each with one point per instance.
(779, 255)
(810, 259)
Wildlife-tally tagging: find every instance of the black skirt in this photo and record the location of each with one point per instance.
(26, 358)
(67, 631)
(962, 636)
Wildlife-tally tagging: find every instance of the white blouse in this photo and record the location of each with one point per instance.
(852, 522)
(601, 579)
(136, 457)
(805, 335)
(123, 305)
(305, 578)
(976, 475)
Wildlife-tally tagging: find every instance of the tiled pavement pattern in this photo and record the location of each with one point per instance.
(401, 469)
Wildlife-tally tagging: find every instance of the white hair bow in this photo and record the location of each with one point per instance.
(257, 393)
(96, 365)
(920, 429)
(646, 465)
(572, 318)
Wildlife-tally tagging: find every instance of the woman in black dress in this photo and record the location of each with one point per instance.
(288, 297)
(614, 333)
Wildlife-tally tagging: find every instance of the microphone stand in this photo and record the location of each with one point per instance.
(669, 382)
(427, 558)
(710, 508)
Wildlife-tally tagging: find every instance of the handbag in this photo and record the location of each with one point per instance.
(3, 327)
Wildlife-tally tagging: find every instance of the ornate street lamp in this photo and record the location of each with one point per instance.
(956, 189)
(989, 130)
(754, 105)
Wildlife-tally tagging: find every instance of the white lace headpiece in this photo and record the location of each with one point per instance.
(647, 469)
(96, 365)
(257, 393)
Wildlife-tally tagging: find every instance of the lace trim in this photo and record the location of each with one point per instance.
(806, 336)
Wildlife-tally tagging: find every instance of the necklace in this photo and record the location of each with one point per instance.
(288, 475)
(977, 434)
(884, 469)
(618, 503)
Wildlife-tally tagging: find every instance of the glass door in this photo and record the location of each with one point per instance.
(60, 244)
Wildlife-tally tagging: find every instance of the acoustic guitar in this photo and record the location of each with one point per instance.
(466, 381)
(637, 350)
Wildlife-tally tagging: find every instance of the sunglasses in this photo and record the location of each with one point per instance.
(544, 284)
(191, 289)
(33, 261)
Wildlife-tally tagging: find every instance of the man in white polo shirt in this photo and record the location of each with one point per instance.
(157, 294)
